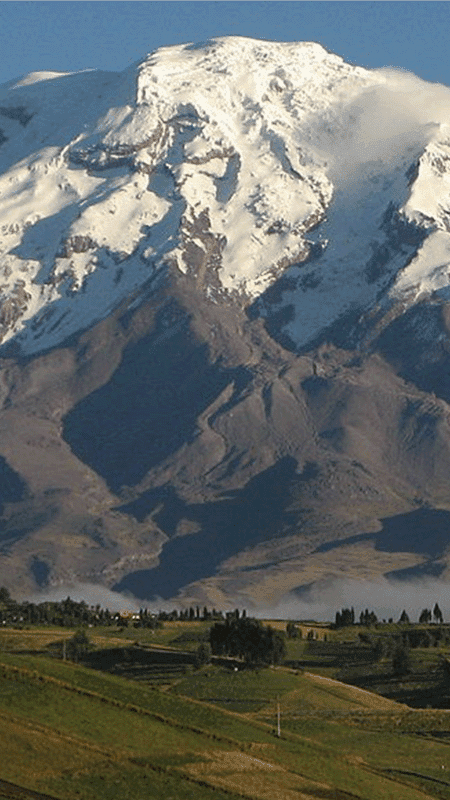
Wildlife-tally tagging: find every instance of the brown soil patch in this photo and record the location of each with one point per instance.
(254, 777)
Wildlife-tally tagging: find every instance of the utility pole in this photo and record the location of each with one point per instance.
(278, 718)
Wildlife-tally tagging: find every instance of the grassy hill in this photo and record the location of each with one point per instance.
(75, 733)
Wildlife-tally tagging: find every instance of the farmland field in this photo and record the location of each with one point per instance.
(207, 733)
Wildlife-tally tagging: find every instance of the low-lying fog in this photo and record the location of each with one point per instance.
(386, 598)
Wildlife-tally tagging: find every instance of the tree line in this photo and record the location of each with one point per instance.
(72, 613)
(346, 617)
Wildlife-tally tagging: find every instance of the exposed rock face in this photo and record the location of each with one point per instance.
(224, 315)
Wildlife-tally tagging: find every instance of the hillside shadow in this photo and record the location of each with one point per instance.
(406, 344)
(108, 659)
(12, 487)
(243, 519)
(425, 532)
(150, 406)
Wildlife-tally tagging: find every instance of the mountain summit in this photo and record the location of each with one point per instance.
(224, 324)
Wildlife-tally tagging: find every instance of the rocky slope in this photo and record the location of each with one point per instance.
(223, 301)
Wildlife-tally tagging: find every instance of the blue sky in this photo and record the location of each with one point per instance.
(69, 36)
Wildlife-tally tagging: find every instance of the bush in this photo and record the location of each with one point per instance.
(380, 649)
(400, 660)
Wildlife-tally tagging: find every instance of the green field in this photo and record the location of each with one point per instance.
(72, 732)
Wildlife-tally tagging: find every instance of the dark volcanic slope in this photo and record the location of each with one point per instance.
(183, 430)
(149, 407)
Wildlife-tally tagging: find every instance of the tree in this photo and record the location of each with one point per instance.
(276, 646)
(78, 645)
(425, 615)
(203, 655)
(5, 596)
(437, 614)
(292, 631)
(404, 617)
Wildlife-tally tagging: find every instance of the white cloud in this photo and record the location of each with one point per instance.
(386, 598)
(92, 594)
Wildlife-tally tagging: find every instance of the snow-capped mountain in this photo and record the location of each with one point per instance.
(220, 159)
(190, 253)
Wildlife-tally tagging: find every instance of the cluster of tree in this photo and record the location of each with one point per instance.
(417, 637)
(190, 614)
(426, 615)
(346, 616)
(248, 639)
(414, 637)
(292, 632)
(368, 618)
(144, 619)
(65, 613)
(397, 647)
(76, 647)
(401, 663)
(72, 614)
